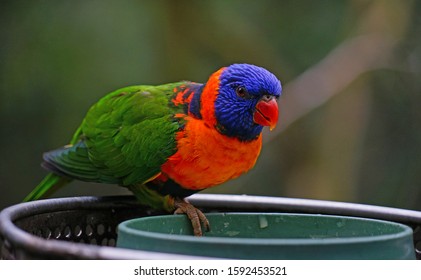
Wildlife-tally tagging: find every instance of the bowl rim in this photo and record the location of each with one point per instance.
(405, 232)
(32, 246)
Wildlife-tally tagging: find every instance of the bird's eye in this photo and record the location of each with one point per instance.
(241, 92)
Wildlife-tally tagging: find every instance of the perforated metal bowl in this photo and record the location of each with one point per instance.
(85, 227)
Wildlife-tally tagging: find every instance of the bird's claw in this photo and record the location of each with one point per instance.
(196, 216)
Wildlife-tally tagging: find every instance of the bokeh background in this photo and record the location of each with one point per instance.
(350, 125)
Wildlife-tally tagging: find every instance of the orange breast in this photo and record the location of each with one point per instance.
(206, 158)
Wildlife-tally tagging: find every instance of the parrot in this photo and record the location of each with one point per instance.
(167, 142)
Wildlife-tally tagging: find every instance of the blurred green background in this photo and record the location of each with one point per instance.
(350, 124)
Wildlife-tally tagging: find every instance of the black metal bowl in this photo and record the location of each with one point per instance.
(85, 227)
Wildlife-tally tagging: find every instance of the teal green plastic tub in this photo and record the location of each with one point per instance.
(271, 236)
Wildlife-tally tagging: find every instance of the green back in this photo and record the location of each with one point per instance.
(125, 137)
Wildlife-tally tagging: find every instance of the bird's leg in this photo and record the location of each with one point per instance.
(196, 216)
(150, 197)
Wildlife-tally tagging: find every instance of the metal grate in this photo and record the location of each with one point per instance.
(85, 227)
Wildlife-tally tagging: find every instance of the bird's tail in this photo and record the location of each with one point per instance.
(47, 186)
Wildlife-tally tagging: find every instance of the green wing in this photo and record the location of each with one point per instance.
(124, 138)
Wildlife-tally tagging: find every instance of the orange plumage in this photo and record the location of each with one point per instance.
(206, 158)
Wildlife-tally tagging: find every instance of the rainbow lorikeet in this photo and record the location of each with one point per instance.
(167, 142)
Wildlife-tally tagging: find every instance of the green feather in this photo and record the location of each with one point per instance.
(124, 139)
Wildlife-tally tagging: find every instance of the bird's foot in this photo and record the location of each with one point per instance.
(196, 216)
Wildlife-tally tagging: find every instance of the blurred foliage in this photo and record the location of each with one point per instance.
(363, 145)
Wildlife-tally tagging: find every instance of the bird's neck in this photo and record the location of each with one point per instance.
(198, 101)
(208, 98)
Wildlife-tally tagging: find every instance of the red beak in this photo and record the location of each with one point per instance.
(266, 112)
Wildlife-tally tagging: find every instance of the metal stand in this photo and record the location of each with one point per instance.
(85, 227)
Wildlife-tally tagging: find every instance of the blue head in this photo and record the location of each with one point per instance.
(246, 101)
